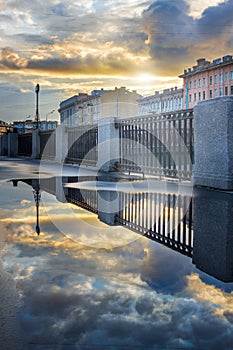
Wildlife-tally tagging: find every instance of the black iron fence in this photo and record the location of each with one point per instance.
(160, 144)
(86, 199)
(47, 144)
(82, 145)
(165, 218)
(25, 144)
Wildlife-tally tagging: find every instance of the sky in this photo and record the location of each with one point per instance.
(71, 47)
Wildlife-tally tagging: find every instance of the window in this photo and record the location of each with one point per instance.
(195, 83)
(190, 98)
(220, 92)
(211, 80)
(195, 96)
(215, 79)
(190, 85)
(215, 92)
(199, 96)
(231, 90)
(199, 82)
(226, 90)
(203, 95)
(226, 76)
(221, 77)
(211, 95)
(232, 74)
(204, 81)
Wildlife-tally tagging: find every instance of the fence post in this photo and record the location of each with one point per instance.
(108, 144)
(213, 146)
(61, 144)
(12, 145)
(35, 144)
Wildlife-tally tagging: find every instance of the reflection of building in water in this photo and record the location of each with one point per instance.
(167, 218)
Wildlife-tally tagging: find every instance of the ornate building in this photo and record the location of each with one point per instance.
(207, 80)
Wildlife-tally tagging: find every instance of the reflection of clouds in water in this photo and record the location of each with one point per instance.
(139, 294)
(80, 295)
(210, 294)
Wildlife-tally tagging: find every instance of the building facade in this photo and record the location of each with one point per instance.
(167, 101)
(207, 80)
(69, 108)
(88, 109)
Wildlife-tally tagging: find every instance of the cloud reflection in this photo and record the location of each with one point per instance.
(137, 295)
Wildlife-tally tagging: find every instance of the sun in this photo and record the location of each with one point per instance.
(145, 78)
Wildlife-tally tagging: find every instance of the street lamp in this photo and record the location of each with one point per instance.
(37, 89)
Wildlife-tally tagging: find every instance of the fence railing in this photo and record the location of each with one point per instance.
(83, 145)
(165, 218)
(162, 145)
(25, 144)
(47, 144)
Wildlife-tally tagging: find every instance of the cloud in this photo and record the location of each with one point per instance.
(177, 38)
(112, 40)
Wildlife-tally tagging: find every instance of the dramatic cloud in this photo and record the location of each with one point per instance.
(86, 41)
(176, 37)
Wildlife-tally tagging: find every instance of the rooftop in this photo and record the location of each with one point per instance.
(203, 65)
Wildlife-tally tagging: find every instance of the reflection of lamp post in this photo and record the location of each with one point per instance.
(37, 89)
(37, 197)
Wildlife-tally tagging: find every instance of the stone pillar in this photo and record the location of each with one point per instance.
(213, 235)
(61, 144)
(35, 144)
(108, 145)
(12, 145)
(61, 191)
(108, 206)
(213, 144)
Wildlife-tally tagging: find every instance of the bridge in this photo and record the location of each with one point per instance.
(188, 145)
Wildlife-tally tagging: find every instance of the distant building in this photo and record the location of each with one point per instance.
(48, 124)
(69, 109)
(207, 80)
(30, 124)
(166, 101)
(88, 109)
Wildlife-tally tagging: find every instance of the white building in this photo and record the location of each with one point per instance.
(167, 101)
(88, 109)
(69, 108)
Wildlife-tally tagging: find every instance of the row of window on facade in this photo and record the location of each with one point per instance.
(212, 79)
(166, 105)
(212, 93)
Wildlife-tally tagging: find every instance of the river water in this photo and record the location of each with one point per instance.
(82, 284)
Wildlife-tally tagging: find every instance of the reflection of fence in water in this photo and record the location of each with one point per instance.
(165, 218)
(84, 198)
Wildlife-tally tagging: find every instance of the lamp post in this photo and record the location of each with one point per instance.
(37, 89)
